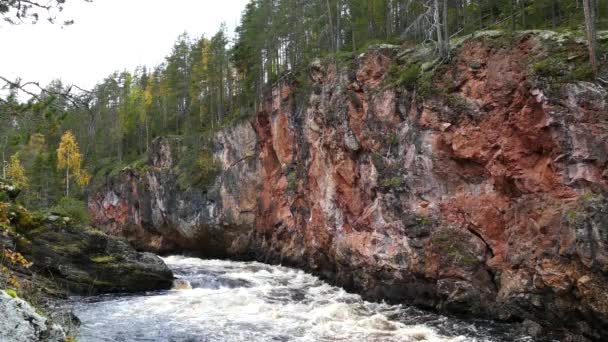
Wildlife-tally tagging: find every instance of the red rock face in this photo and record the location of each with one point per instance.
(485, 198)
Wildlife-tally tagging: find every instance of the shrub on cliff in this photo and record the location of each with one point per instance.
(73, 208)
(198, 170)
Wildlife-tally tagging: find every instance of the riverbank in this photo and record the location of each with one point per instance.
(46, 257)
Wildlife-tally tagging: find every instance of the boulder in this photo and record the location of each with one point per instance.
(21, 323)
(88, 261)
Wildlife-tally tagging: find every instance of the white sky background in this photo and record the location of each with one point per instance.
(107, 35)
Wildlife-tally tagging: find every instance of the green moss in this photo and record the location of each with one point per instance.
(454, 244)
(550, 67)
(584, 208)
(582, 72)
(590, 198)
(25, 221)
(424, 86)
(462, 257)
(103, 259)
(475, 65)
(67, 249)
(393, 182)
(199, 171)
(344, 56)
(407, 77)
(572, 216)
(563, 63)
(37, 231)
(457, 103)
(378, 161)
(392, 139)
(441, 239)
(425, 221)
(24, 245)
(139, 164)
(11, 293)
(208, 167)
(292, 181)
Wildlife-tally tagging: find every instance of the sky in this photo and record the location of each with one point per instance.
(108, 35)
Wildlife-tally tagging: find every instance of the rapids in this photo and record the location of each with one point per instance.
(250, 301)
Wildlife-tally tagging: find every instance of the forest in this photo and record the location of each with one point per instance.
(63, 137)
(321, 170)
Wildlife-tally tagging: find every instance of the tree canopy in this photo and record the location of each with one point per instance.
(208, 82)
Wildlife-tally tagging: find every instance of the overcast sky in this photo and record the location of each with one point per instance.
(108, 35)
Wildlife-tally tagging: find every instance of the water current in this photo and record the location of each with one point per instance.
(249, 301)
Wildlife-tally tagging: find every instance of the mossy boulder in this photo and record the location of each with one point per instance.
(79, 259)
(87, 261)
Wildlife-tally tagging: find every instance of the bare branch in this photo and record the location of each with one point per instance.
(74, 99)
(16, 12)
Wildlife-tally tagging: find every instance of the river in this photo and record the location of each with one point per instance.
(250, 301)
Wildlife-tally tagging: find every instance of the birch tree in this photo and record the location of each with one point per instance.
(69, 159)
(15, 171)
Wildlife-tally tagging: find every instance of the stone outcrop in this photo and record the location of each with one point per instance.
(87, 261)
(484, 195)
(48, 255)
(21, 323)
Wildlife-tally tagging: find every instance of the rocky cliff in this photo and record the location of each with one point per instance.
(475, 186)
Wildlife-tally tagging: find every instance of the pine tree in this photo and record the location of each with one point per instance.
(589, 7)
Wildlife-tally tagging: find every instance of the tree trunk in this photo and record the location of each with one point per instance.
(438, 26)
(3, 165)
(67, 180)
(480, 5)
(331, 29)
(446, 33)
(513, 25)
(553, 14)
(352, 29)
(4, 157)
(589, 8)
(147, 136)
(440, 14)
(523, 14)
(338, 12)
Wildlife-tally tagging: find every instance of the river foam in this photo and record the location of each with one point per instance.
(238, 301)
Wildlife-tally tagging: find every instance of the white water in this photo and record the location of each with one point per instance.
(236, 301)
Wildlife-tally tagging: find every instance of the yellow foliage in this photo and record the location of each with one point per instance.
(37, 143)
(15, 171)
(8, 257)
(4, 213)
(15, 258)
(69, 159)
(68, 153)
(83, 178)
